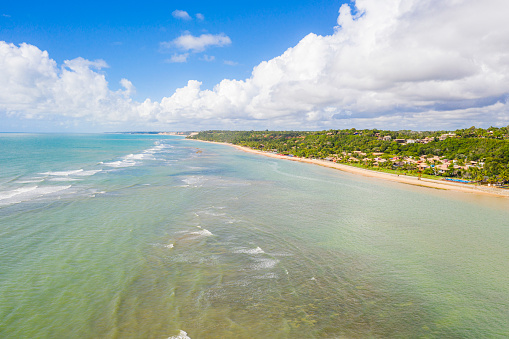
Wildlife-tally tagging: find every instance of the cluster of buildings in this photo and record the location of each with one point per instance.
(412, 141)
(438, 164)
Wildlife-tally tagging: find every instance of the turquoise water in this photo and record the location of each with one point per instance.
(131, 236)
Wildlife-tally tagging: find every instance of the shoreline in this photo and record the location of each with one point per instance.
(404, 179)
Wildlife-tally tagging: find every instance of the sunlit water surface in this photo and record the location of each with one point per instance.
(129, 236)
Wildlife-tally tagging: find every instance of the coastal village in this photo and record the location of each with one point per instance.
(472, 155)
(437, 164)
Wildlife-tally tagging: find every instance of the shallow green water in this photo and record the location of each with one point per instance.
(141, 237)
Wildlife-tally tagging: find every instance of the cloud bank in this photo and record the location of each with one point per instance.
(389, 63)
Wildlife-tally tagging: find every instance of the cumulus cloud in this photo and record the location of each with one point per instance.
(200, 16)
(32, 85)
(189, 42)
(179, 14)
(129, 88)
(178, 58)
(418, 64)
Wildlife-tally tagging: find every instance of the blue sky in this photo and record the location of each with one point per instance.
(154, 65)
(127, 35)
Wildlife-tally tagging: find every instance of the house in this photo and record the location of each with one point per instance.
(446, 135)
(442, 168)
(427, 140)
(387, 138)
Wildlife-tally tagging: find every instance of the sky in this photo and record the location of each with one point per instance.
(279, 65)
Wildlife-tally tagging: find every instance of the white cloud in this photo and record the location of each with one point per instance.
(179, 14)
(200, 16)
(178, 58)
(31, 85)
(128, 86)
(417, 64)
(189, 42)
(208, 58)
(230, 63)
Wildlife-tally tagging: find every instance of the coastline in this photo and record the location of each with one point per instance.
(404, 179)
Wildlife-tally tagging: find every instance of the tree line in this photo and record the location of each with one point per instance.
(488, 148)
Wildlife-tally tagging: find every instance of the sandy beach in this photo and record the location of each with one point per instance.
(410, 180)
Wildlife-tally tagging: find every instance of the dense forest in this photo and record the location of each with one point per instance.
(474, 154)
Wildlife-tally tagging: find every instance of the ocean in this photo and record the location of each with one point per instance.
(149, 236)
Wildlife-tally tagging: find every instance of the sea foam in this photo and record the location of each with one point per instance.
(121, 163)
(264, 263)
(72, 173)
(131, 159)
(181, 335)
(193, 180)
(203, 232)
(257, 250)
(28, 193)
(63, 173)
(31, 181)
(57, 179)
(18, 191)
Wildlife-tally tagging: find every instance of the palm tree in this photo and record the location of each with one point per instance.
(504, 176)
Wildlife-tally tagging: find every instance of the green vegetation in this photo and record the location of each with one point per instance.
(473, 154)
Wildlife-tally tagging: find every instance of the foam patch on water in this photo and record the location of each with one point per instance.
(63, 173)
(140, 156)
(193, 180)
(158, 148)
(170, 246)
(64, 179)
(94, 193)
(28, 193)
(72, 173)
(181, 335)
(264, 263)
(87, 173)
(121, 163)
(31, 181)
(202, 233)
(266, 276)
(214, 214)
(257, 250)
(9, 194)
(133, 159)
